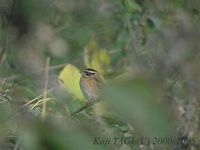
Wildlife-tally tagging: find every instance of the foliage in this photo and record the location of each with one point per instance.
(70, 76)
(147, 52)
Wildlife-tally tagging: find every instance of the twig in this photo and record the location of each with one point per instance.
(31, 101)
(4, 45)
(88, 104)
(16, 147)
(44, 105)
(35, 72)
(3, 101)
(40, 102)
(2, 94)
(26, 104)
(5, 37)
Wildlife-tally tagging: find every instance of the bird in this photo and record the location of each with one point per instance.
(90, 85)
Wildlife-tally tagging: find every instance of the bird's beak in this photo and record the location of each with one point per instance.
(81, 72)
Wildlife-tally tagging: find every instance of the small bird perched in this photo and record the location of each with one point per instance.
(90, 84)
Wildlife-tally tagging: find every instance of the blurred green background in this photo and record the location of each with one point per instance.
(147, 52)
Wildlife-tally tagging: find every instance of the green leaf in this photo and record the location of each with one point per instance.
(135, 100)
(132, 6)
(97, 58)
(69, 77)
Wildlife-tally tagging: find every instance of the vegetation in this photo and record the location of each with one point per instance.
(147, 52)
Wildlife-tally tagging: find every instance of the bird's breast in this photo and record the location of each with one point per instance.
(89, 88)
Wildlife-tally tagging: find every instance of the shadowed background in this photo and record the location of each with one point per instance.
(147, 51)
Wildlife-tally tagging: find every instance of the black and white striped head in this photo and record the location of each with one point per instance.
(89, 72)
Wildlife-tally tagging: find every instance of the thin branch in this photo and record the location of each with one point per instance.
(29, 102)
(3, 101)
(2, 94)
(5, 37)
(88, 104)
(17, 145)
(45, 89)
(36, 71)
(4, 45)
(40, 102)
